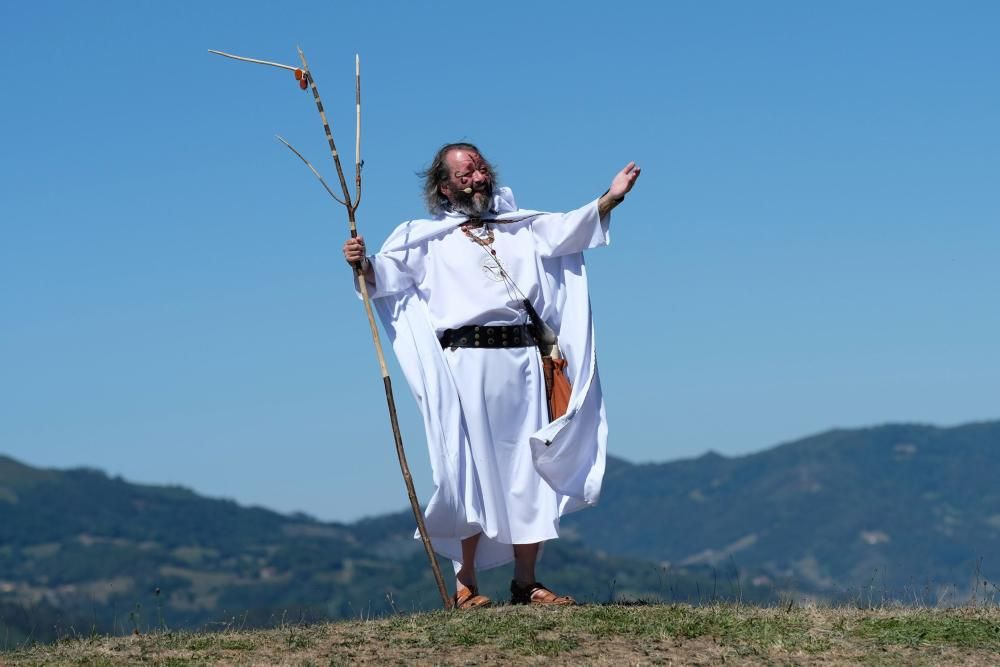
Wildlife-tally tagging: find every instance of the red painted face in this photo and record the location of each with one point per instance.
(470, 186)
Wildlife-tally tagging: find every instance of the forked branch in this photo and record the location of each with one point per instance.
(313, 169)
(329, 139)
(306, 79)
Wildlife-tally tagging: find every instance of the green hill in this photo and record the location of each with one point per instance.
(588, 635)
(895, 512)
(84, 552)
(909, 510)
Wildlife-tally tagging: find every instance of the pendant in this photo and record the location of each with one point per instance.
(492, 270)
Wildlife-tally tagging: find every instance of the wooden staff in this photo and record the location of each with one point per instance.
(304, 75)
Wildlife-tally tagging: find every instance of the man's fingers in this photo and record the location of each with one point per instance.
(354, 250)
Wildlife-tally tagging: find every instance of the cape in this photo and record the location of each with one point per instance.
(569, 453)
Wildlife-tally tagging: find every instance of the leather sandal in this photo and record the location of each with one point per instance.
(537, 593)
(469, 598)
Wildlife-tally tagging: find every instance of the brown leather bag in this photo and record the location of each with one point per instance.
(557, 387)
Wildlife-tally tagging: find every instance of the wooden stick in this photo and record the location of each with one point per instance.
(357, 133)
(363, 288)
(252, 60)
(292, 148)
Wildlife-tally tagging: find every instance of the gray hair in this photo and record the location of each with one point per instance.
(437, 174)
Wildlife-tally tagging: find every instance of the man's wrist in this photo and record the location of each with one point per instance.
(615, 200)
(606, 202)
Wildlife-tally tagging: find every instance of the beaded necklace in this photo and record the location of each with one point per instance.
(485, 241)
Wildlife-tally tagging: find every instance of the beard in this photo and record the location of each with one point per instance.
(475, 203)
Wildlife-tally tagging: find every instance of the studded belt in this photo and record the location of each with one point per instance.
(481, 335)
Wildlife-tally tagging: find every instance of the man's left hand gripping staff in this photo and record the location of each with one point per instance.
(620, 186)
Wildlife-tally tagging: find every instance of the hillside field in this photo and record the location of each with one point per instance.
(589, 634)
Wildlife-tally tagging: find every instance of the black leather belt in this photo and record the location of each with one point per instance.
(493, 335)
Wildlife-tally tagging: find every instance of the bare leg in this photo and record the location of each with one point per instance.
(466, 576)
(525, 556)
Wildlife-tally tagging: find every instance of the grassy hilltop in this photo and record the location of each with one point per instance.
(592, 634)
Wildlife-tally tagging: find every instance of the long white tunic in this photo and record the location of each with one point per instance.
(499, 467)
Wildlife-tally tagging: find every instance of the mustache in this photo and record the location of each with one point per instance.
(472, 200)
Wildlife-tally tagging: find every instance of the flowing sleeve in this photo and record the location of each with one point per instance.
(399, 264)
(558, 234)
(396, 270)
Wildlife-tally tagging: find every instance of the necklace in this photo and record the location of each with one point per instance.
(485, 240)
(491, 266)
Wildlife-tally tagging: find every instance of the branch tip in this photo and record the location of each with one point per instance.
(252, 60)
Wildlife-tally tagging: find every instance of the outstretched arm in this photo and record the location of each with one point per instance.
(564, 233)
(620, 185)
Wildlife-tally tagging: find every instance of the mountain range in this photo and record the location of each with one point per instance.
(907, 512)
(896, 506)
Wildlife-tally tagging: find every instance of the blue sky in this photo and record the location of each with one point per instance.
(813, 242)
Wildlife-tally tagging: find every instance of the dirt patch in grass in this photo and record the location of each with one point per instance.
(591, 634)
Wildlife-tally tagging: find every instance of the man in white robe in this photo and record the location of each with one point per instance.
(450, 291)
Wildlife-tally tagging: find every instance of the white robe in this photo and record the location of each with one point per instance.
(499, 467)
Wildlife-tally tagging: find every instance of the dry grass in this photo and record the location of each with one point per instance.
(592, 634)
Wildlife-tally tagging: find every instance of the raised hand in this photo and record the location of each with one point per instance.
(624, 180)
